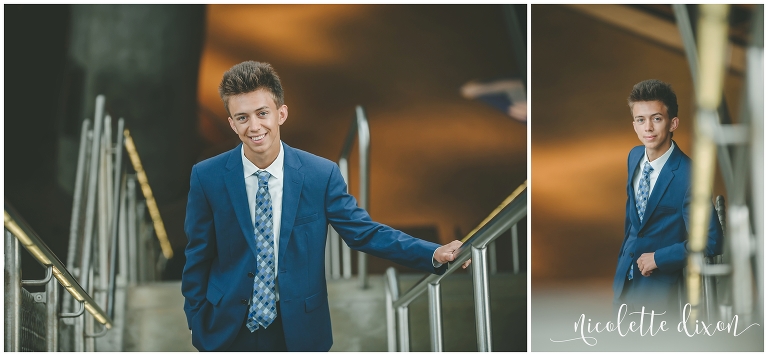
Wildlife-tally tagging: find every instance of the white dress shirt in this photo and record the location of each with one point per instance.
(275, 192)
(657, 165)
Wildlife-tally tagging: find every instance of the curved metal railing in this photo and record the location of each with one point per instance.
(358, 129)
(111, 246)
(475, 246)
(17, 231)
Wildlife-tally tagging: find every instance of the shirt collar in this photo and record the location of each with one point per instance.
(275, 169)
(658, 163)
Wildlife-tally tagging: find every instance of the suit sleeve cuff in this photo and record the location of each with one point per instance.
(434, 261)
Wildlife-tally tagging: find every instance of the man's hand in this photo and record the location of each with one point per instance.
(447, 253)
(646, 263)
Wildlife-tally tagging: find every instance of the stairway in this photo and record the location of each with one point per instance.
(155, 319)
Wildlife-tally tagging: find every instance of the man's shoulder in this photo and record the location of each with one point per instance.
(216, 162)
(309, 160)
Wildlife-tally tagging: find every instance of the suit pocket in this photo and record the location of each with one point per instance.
(665, 210)
(315, 301)
(213, 294)
(305, 219)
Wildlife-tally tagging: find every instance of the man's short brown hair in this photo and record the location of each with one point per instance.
(250, 76)
(654, 90)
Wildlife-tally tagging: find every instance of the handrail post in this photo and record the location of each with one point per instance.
(482, 298)
(52, 313)
(391, 294)
(435, 317)
(402, 320)
(93, 173)
(12, 293)
(515, 250)
(364, 146)
(132, 225)
(346, 252)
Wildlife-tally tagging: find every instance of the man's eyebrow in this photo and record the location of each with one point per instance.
(261, 108)
(641, 116)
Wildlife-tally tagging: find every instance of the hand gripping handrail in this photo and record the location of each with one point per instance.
(40, 251)
(358, 129)
(506, 215)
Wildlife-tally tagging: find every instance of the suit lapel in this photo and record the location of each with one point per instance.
(634, 160)
(662, 182)
(292, 184)
(235, 185)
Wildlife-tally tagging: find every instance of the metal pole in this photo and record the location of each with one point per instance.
(335, 260)
(102, 270)
(328, 252)
(482, 298)
(346, 252)
(77, 201)
(133, 240)
(52, 309)
(435, 317)
(364, 146)
(515, 250)
(391, 294)
(402, 319)
(91, 198)
(114, 219)
(756, 94)
(79, 332)
(12, 293)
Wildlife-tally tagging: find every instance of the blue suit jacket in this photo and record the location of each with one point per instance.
(221, 250)
(664, 230)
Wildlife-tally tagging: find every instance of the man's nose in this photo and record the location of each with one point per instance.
(254, 125)
(648, 126)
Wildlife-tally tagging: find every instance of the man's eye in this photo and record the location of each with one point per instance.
(262, 113)
(241, 118)
(639, 121)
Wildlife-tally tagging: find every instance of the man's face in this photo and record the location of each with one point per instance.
(653, 125)
(256, 119)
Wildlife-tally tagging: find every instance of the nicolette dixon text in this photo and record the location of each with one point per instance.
(649, 324)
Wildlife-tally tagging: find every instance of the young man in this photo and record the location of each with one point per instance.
(256, 222)
(654, 251)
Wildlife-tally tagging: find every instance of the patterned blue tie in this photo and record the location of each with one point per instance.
(641, 197)
(641, 201)
(263, 305)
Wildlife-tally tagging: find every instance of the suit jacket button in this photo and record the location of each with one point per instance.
(640, 234)
(244, 301)
(250, 274)
(631, 254)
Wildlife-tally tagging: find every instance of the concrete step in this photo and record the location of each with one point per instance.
(155, 320)
(359, 316)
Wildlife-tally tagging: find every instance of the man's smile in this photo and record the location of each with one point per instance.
(257, 138)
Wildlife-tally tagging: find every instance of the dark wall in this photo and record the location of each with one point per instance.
(143, 58)
(36, 40)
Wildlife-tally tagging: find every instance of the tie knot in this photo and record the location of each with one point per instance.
(647, 168)
(263, 177)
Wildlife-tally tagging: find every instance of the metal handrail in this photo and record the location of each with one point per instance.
(358, 129)
(40, 251)
(507, 214)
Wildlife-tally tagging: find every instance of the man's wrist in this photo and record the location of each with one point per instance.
(434, 260)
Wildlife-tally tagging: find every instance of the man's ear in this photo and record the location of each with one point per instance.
(675, 122)
(283, 114)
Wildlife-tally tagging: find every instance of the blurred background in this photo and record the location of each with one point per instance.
(585, 60)
(159, 67)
